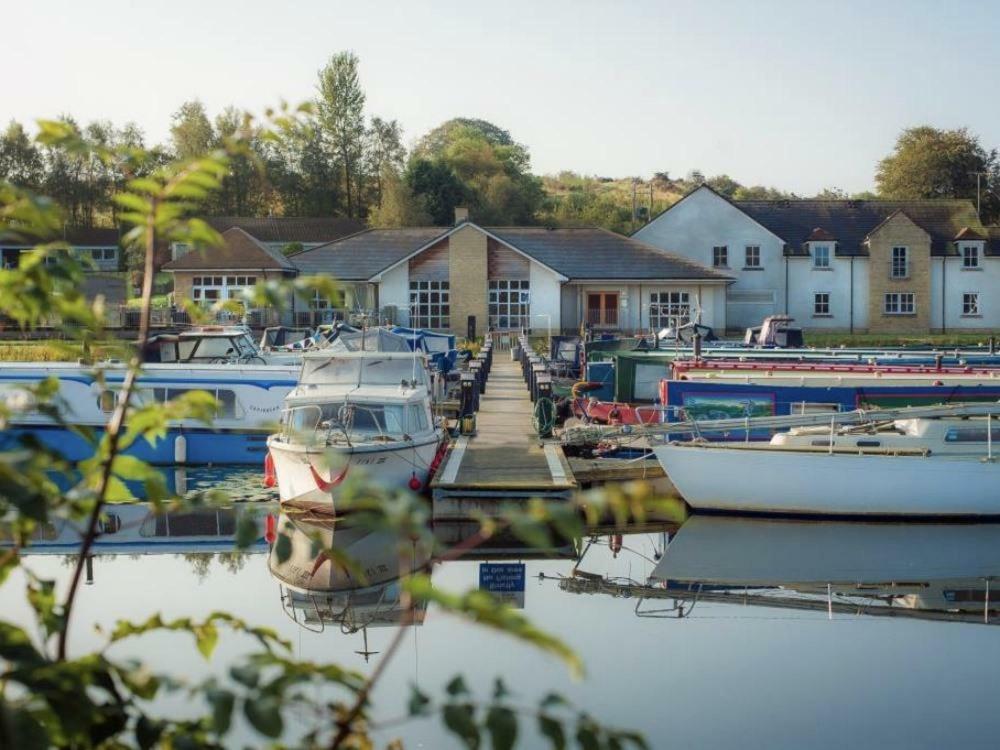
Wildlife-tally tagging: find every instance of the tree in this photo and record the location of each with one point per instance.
(20, 160)
(930, 163)
(399, 207)
(341, 116)
(243, 191)
(191, 131)
(433, 144)
(437, 186)
(386, 153)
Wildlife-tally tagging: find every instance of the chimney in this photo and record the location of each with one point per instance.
(461, 214)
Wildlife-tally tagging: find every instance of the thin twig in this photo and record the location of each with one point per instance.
(113, 430)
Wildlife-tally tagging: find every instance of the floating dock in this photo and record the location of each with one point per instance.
(504, 463)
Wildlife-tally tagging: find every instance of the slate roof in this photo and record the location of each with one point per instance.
(583, 253)
(77, 236)
(850, 221)
(288, 229)
(239, 251)
(362, 255)
(593, 253)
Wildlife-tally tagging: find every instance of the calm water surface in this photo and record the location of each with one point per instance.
(750, 634)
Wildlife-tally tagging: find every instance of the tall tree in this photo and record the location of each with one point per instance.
(399, 207)
(20, 160)
(341, 116)
(930, 163)
(243, 191)
(191, 131)
(386, 153)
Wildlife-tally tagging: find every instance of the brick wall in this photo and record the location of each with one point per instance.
(467, 274)
(899, 231)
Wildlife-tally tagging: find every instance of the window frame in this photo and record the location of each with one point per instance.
(971, 252)
(667, 313)
(429, 313)
(752, 253)
(899, 298)
(897, 271)
(973, 310)
(822, 251)
(817, 303)
(508, 304)
(720, 251)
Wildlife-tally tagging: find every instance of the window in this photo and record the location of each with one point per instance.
(107, 400)
(320, 301)
(752, 259)
(510, 301)
(821, 256)
(899, 268)
(970, 256)
(669, 309)
(970, 304)
(899, 303)
(226, 398)
(207, 290)
(103, 253)
(430, 305)
(821, 304)
(720, 256)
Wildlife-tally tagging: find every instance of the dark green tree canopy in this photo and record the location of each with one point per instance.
(930, 163)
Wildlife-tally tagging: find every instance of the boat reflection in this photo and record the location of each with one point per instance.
(924, 571)
(357, 587)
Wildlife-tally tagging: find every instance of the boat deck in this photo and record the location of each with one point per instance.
(505, 460)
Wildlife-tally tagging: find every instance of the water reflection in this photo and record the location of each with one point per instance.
(926, 571)
(335, 573)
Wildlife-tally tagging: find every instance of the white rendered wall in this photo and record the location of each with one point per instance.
(957, 281)
(546, 290)
(394, 289)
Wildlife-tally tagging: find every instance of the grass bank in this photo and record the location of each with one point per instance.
(824, 340)
(62, 351)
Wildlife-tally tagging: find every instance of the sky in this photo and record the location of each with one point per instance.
(801, 96)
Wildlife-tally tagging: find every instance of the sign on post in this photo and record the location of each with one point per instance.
(503, 580)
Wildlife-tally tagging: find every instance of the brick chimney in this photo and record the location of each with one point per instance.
(461, 214)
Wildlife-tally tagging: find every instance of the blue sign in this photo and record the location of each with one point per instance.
(502, 578)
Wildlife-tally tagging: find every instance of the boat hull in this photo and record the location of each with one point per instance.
(313, 476)
(745, 480)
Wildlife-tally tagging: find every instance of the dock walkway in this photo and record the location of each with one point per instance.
(505, 459)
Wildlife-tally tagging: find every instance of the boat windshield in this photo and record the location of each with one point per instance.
(361, 371)
(368, 419)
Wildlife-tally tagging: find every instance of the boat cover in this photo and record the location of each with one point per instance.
(371, 340)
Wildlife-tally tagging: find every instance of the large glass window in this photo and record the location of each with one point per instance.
(207, 290)
(669, 309)
(510, 302)
(430, 305)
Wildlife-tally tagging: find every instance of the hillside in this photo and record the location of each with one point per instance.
(574, 199)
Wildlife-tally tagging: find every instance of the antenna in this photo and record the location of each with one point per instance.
(979, 176)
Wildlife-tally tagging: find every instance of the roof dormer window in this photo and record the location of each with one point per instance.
(970, 257)
(821, 255)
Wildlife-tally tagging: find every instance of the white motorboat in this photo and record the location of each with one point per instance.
(356, 412)
(912, 468)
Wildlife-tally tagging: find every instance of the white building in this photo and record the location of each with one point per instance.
(847, 265)
(514, 277)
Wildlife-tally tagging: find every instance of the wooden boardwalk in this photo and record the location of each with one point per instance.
(505, 459)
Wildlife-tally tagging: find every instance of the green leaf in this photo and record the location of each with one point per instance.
(206, 637)
(222, 702)
(418, 703)
(246, 674)
(553, 699)
(502, 726)
(499, 689)
(16, 647)
(457, 686)
(552, 730)
(131, 468)
(586, 735)
(458, 718)
(148, 732)
(20, 730)
(264, 714)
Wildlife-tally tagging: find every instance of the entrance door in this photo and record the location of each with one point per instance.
(602, 309)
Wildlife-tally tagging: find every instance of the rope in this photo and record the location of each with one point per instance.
(543, 419)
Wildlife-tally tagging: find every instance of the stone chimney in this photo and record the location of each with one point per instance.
(461, 214)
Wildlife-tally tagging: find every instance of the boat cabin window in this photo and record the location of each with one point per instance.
(417, 419)
(198, 523)
(358, 371)
(226, 398)
(388, 419)
(868, 443)
(966, 435)
(806, 407)
(106, 401)
(216, 346)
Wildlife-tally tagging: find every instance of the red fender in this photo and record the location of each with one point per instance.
(436, 463)
(270, 475)
(327, 485)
